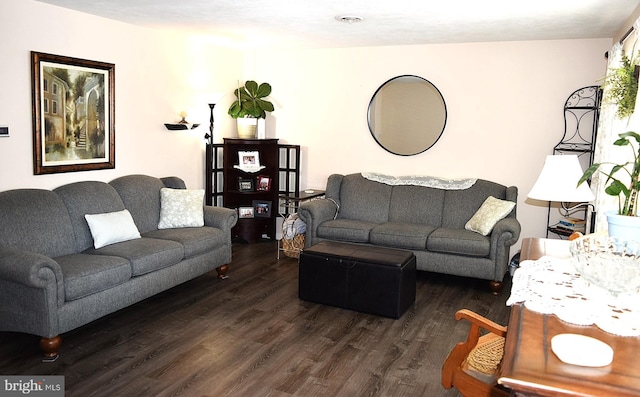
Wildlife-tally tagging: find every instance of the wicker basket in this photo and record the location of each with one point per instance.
(292, 247)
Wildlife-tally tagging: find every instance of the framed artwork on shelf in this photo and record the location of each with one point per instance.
(249, 161)
(262, 209)
(245, 212)
(245, 185)
(264, 183)
(73, 114)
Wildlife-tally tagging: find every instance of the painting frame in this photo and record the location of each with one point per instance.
(261, 208)
(73, 114)
(245, 212)
(263, 183)
(245, 185)
(249, 159)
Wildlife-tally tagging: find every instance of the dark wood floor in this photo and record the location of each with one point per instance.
(250, 335)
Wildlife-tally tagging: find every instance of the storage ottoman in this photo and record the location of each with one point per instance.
(368, 279)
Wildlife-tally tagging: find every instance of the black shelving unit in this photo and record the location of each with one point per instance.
(214, 167)
(581, 115)
(281, 165)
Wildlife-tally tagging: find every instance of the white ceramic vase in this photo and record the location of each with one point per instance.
(246, 127)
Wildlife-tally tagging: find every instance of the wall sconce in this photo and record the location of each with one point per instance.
(181, 125)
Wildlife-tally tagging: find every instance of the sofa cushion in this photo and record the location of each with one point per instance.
(401, 235)
(416, 204)
(87, 274)
(87, 197)
(460, 205)
(145, 254)
(35, 220)
(346, 230)
(181, 208)
(491, 211)
(459, 242)
(364, 200)
(195, 240)
(111, 227)
(141, 196)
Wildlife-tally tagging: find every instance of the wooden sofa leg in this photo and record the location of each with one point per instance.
(222, 272)
(495, 286)
(50, 347)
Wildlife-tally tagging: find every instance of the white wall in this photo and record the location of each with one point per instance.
(504, 100)
(504, 103)
(158, 75)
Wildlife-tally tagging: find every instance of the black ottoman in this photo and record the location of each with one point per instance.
(365, 278)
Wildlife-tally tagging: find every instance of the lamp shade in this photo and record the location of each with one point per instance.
(558, 181)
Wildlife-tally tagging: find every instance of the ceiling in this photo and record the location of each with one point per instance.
(313, 23)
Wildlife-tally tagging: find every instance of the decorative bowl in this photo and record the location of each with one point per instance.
(608, 262)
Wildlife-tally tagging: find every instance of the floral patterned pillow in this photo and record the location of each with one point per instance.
(491, 211)
(181, 208)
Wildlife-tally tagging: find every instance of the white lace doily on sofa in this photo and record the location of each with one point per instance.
(421, 180)
(553, 286)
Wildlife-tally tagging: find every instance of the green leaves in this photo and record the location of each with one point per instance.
(622, 86)
(250, 101)
(632, 170)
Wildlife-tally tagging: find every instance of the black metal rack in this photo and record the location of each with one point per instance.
(581, 115)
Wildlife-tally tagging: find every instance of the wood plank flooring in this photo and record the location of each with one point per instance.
(250, 335)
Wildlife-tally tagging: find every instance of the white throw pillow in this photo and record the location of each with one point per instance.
(491, 211)
(181, 208)
(111, 228)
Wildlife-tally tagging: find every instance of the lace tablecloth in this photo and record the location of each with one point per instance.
(553, 286)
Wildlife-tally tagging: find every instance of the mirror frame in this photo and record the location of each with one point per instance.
(371, 102)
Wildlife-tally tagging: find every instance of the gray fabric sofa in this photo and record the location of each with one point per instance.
(53, 280)
(428, 221)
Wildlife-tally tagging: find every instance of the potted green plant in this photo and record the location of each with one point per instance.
(627, 193)
(249, 106)
(621, 86)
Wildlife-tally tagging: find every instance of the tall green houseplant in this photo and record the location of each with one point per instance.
(627, 193)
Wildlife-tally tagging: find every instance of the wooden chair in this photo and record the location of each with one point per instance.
(473, 366)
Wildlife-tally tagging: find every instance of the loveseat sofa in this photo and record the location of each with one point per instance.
(60, 269)
(432, 221)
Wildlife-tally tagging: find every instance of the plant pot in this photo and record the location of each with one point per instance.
(623, 226)
(246, 127)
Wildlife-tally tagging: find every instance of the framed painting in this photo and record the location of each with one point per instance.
(245, 185)
(262, 209)
(73, 114)
(245, 212)
(264, 183)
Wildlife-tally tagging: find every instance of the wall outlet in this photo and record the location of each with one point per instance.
(4, 130)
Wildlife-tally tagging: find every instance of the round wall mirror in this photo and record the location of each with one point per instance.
(407, 115)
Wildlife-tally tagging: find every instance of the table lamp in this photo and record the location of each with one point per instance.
(558, 181)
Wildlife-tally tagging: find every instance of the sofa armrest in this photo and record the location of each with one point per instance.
(220, 217)
(313, 213)
(507, 230)
(504, 234)
(32, 270)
